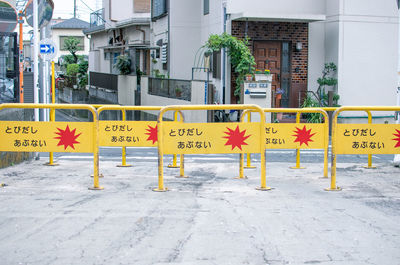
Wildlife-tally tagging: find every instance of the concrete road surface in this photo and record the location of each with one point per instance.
(48, 216)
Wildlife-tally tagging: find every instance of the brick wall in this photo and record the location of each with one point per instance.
(280, 31)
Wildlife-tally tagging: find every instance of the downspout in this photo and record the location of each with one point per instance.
(144, 41)
(169, 43)
(223, 81)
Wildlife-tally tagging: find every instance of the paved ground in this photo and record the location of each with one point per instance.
(48, 216)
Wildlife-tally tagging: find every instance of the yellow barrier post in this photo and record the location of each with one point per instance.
(248, 156)
(52, 111)
(297, 150)
(174, 158)
(93, 146)
(370, 166)
(124, 164)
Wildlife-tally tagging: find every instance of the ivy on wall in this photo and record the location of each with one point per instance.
(242, 60)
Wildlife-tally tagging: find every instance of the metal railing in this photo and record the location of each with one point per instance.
(170, 88)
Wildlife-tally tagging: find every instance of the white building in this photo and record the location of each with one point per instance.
(294, 39)
(66, 29)
(120, 27)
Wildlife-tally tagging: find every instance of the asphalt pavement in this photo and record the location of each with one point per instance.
(48, 215)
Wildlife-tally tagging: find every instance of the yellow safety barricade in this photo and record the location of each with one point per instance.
(35, 136)
(130, 133)
(362, 138)
(295, 135)
(210, 138)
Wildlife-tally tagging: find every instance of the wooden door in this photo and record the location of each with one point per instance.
(268, 56)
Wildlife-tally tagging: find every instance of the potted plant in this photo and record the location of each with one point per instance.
(263, 75)
(178, 92)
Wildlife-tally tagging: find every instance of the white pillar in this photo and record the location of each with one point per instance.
(35, 57)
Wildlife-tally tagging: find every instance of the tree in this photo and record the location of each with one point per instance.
(71, 44)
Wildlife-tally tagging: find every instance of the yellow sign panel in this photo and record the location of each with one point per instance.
(294, 136)
(368, 139)
(128, 133)
(24, 136)
(211, 138)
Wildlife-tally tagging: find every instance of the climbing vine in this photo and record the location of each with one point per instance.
(242, 60)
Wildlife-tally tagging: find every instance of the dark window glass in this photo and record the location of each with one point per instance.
(206, 9)
(159, 8)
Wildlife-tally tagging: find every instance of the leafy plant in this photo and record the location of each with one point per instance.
(327, 80)
(309, 102)
(242, 60)
(71, 44)
(123, 64)
(72, 69)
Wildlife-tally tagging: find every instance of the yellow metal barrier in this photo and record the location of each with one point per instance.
(206, 138)
(27, 136)
(52, 111)
(283, 141)
(120, 133)
(248, 156)
(362, 138)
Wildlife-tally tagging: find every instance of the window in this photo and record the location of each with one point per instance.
(206, 7)
(81, 44)
(159, 8)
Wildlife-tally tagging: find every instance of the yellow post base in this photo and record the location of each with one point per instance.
(172, 166)
(264, 189)
(244, 177)
(158, 190)
(297, 167)
(370, 167)
(184, 177)
(335, 189)
(100, 176)
(126, 165)
(51, 164)
(249, 167)
(94, 188)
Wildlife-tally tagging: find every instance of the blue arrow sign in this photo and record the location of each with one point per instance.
(46, 48)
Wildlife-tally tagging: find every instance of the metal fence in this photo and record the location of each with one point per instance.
(103, 80)
(170, 88)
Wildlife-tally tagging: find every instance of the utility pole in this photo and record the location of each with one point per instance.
(74, 8)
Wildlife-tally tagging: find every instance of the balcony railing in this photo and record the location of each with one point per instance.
(97, 18)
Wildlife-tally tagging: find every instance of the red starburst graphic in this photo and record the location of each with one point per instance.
(397, 139)
(303, 136)
(152, 133)
(67, 137)
(236, 137)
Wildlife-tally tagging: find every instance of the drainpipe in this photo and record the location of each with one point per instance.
(169, 39)
(223, 81)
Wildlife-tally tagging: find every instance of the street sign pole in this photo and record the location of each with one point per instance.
(35, 57)
(21, 58)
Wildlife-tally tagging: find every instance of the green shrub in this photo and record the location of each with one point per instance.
(72, 69)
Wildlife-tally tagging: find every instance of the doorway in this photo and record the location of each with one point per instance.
(275, 56)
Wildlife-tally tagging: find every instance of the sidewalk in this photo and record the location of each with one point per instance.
(48, 216)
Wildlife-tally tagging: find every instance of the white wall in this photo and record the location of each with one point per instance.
(185, 29)
(278, 9)
(362, 39)
(56, 33)
(98, 64)
(126, 89)
(316, 54)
